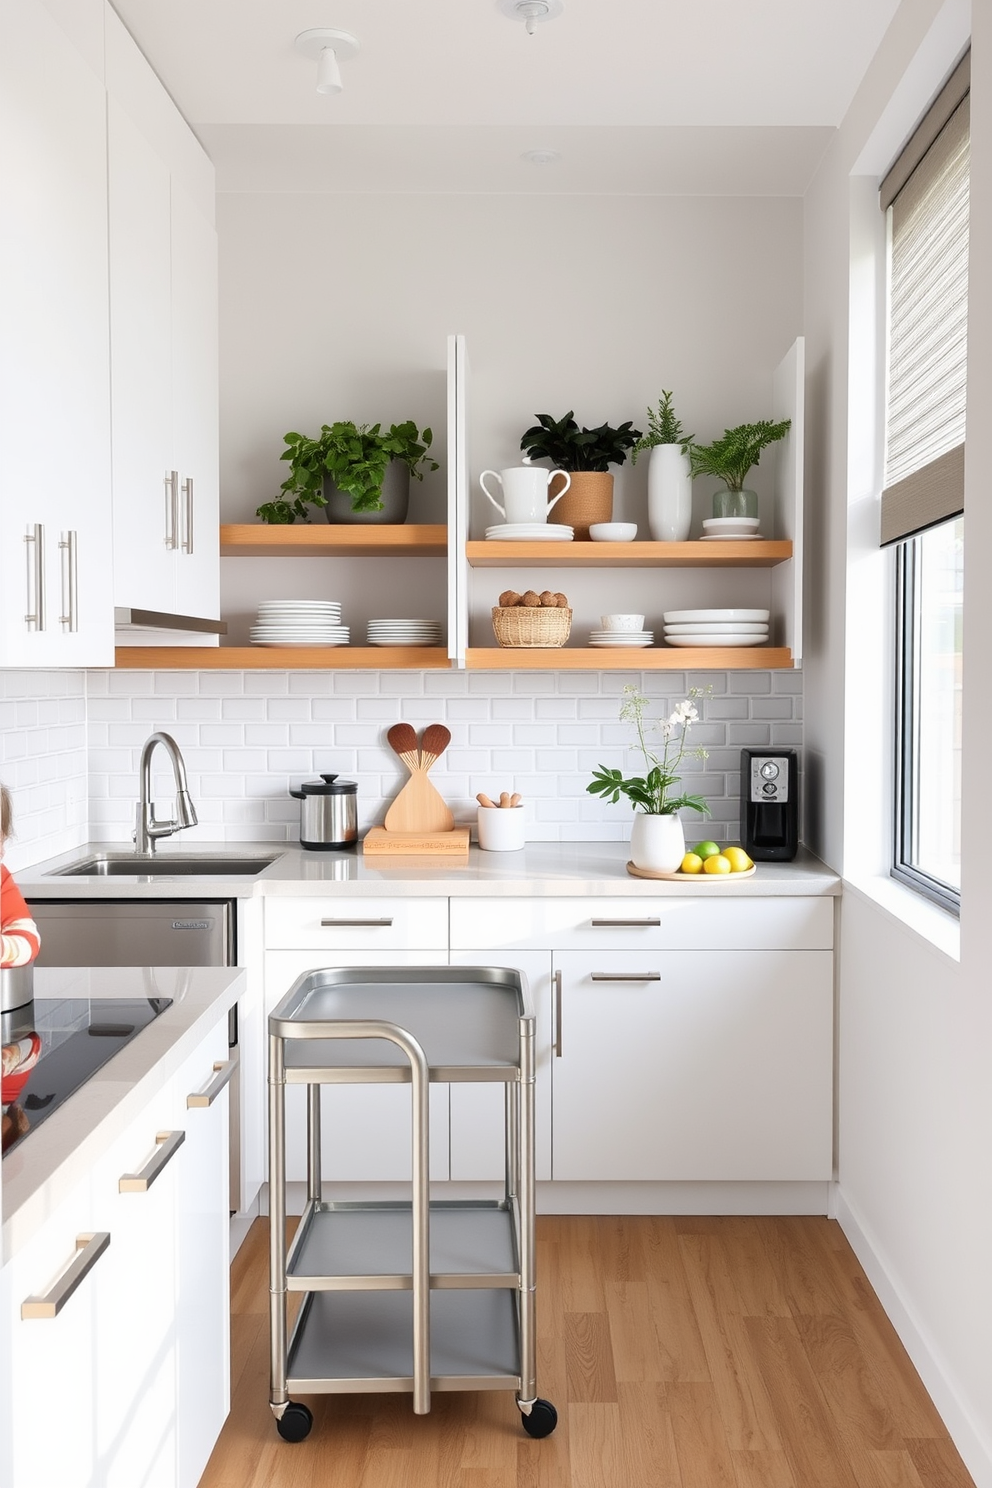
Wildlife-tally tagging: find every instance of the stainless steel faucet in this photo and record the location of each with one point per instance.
(148, 828)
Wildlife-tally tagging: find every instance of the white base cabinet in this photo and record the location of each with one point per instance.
(129, 1382)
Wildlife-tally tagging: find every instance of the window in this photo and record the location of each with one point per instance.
(925, 196)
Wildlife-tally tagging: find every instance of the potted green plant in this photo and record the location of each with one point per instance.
(657, 841)
(730, 459)
(358, 472)
(587, 455)
(669, 477)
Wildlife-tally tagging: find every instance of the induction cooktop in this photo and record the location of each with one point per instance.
(78, 1036)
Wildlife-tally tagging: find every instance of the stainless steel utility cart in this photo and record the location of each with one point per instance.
(410, 1296)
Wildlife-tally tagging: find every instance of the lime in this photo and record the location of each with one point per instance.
(716, 863)
(706, 850)
(691, 863)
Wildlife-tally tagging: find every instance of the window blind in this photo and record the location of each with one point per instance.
(928, 333)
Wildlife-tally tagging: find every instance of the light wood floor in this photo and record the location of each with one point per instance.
(680, 1353)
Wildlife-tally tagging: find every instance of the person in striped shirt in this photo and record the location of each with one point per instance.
(19, 938)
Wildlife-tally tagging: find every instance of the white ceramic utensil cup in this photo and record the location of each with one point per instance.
(501, 828)
(525, 492)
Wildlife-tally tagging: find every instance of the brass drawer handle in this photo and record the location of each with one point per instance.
(365, 924)
(625, 976)
(557, 982)
(647, 924)
(168, 1144)
(224, 1071)
(89, 1249)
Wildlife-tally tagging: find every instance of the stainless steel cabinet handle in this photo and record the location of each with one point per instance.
(625, 976)
(557, 983)
(172, 508)
(187, 539)
(640, 924)
(89, 1249)
(69, 576)
(224, 1069)
(169, 1144)
(373, 924)
(36, 580)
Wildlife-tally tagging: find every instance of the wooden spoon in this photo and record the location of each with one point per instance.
(433, 744)
(402, 737)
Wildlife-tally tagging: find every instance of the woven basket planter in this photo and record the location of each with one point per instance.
(588, 499)
(522, 626)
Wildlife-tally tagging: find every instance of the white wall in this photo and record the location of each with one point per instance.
(915, 1096)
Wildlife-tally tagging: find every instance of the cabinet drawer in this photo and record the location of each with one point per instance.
(713, 921)
(343, 924)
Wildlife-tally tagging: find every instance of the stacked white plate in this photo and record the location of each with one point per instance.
(530, 532)
(621, 638)
(299, 622)
(730, 529)
(716, 627)
(404, 632)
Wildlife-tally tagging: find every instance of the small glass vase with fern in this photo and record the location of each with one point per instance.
(731, 458)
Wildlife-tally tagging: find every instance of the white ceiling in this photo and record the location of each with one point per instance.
(445, 95)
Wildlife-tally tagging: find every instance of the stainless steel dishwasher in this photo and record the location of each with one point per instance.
(148, 932)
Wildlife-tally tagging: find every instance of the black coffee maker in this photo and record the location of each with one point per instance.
(769, 804)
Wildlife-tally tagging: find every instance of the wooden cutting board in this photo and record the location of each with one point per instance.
(380, 843)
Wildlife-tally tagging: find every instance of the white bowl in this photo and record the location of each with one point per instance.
(622, 622)
(726, 525)
(613, 531)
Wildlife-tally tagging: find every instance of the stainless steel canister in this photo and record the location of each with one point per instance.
(329, 813)
(16, 986)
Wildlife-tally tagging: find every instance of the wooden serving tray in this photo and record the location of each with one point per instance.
(379, 843)
(679, 877)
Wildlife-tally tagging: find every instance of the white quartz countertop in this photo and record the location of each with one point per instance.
(548, 869)
(47, 1165)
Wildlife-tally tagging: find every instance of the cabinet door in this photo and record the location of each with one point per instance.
(693, 1065)
(53, 1400)
(55, 604)
(146, 510)
(366, 1130)
(203, 1325)
(478, 1120)
(194, 406)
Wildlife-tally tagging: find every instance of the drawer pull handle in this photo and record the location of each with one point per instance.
(651, 922)
(557, 982)
(89, 1249)
(622, 976)
(168, 1144)
(223, 1073)
(366, 924)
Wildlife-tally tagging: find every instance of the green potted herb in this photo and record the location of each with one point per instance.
(359, 473)
(730, 459)
(669, 477)
(587, 455)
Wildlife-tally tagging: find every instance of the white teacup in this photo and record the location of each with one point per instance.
(622, 622)
(525, 492)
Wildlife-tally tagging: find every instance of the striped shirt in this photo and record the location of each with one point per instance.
(19, 938)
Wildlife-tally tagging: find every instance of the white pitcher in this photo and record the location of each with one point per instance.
(525, 492)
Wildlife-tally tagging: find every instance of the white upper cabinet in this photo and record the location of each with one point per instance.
(163, 346)
(55, 536)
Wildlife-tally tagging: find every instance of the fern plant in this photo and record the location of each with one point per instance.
(736, 452)
(663, 428)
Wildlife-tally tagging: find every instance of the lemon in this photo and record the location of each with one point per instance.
(738, 858)
(691, 863)
(717, 863)
(706, 850)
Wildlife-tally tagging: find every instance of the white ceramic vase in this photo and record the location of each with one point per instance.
(669, 494)
(657, 842)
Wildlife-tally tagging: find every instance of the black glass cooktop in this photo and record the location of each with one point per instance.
(78, 1036)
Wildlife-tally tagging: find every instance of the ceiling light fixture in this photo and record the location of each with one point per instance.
(328, 48)
(531, 12)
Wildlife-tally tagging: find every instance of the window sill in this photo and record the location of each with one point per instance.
(932, 924)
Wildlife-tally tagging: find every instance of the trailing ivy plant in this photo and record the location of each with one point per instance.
(663, 428)
(355, 456)
(570, 448)
(736, 452)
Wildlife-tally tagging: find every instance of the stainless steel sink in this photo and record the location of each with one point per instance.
(166, 865)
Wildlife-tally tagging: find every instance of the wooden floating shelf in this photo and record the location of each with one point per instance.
(328, 540)
(497, 554)
(282, 658)
(629, 658)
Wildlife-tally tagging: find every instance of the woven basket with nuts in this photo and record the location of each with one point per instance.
(532, 619)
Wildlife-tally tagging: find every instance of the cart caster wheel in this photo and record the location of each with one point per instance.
(542, 1420)
(295, 1422)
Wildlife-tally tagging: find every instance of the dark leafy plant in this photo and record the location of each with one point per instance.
(733, 455)
(663, 428)
(570, 448)
(650, 792)
(356, 458)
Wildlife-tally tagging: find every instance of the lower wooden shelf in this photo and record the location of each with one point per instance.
(629, 659)
(282, 658)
